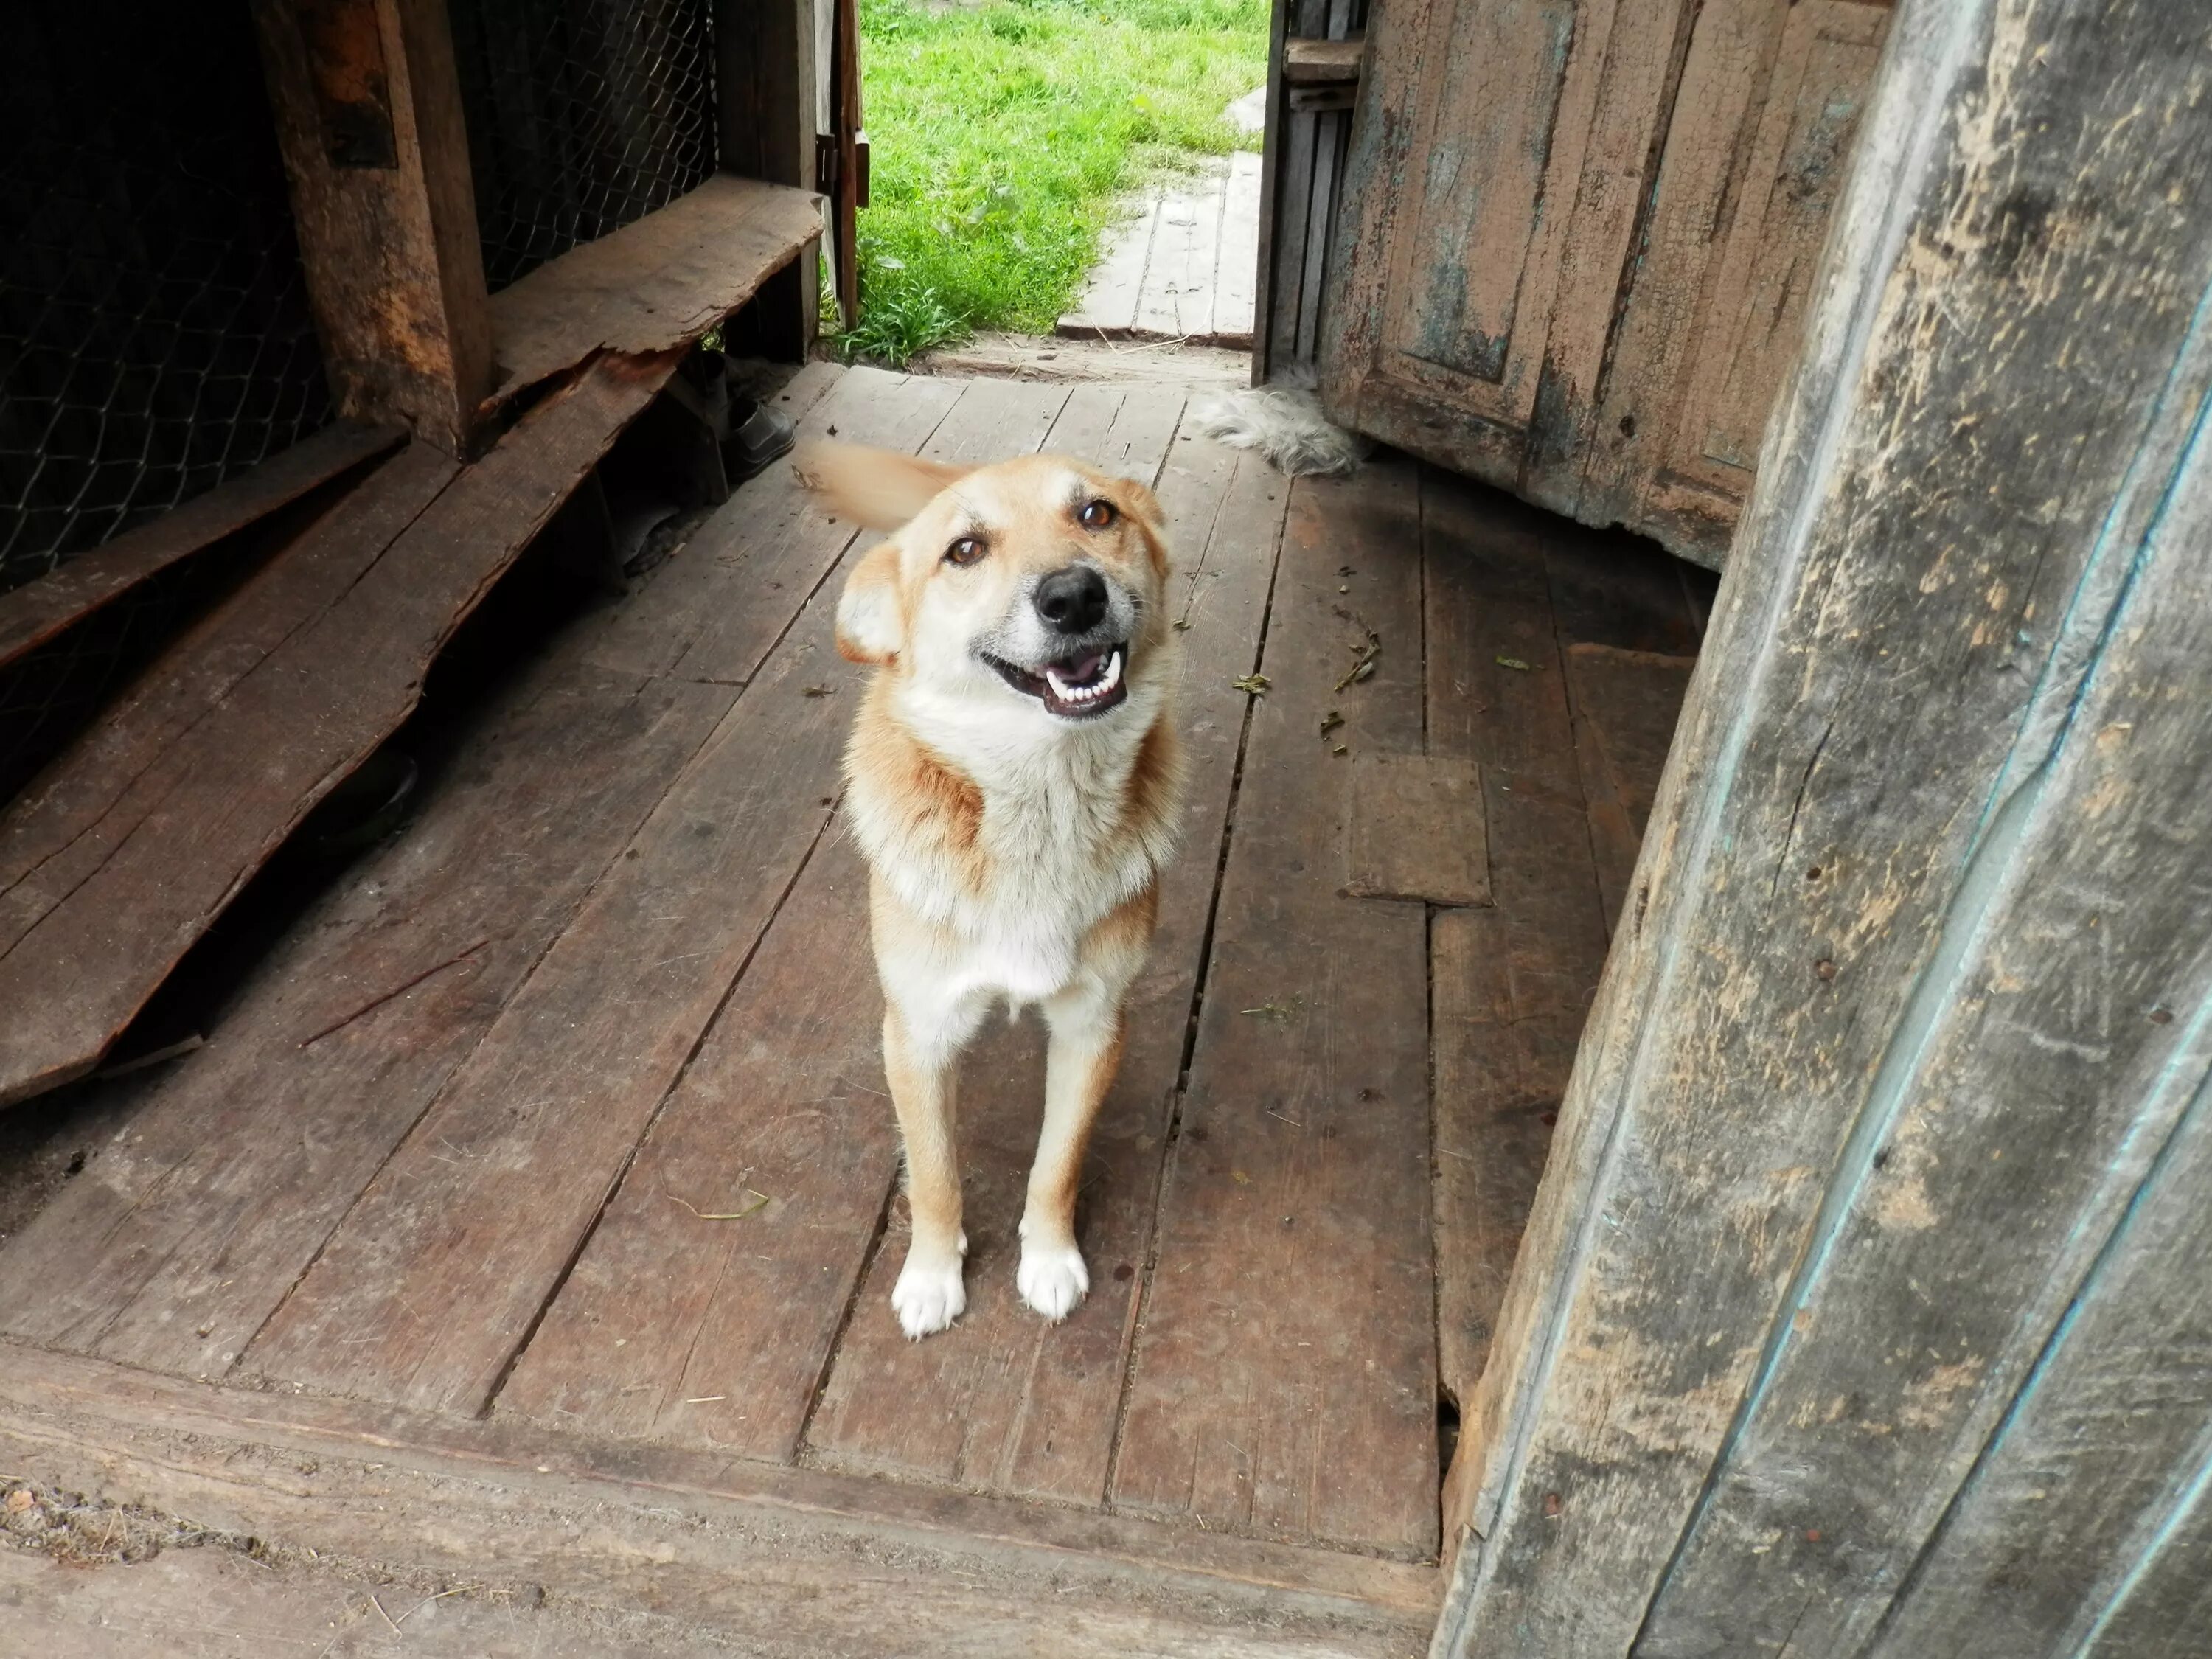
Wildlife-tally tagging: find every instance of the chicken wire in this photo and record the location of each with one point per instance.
(154, 337)
(583, 116)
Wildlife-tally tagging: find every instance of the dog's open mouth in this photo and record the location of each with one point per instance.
(1077, 687)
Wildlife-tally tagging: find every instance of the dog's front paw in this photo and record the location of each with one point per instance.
(928, 1297)
(1052, 1279)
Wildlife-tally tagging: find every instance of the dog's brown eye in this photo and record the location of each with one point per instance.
(965, 551)
(1096, 515)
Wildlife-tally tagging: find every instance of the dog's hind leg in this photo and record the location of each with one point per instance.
(1086, 1048)
(924, 1076)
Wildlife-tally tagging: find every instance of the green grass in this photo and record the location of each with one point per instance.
(1001, 136)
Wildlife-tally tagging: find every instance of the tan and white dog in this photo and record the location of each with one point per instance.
(1014, 779)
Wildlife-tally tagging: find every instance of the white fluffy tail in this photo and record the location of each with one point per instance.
(1283, 421)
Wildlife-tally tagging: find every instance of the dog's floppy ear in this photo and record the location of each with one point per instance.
(871, 624)
(880, 488)
(1145, 508)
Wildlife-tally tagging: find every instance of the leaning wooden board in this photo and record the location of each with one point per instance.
(250, 767)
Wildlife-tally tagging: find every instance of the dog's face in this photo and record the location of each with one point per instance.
(1039, 580)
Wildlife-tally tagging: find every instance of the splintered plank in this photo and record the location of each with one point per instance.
(429, 1285)
(653, 286)
(1285, 1373)
(1002, 1400)
(73, 815)
(680, 1328)
(1512, 983)
(175, 1244)
(722, 601)
(1625, 704)
(279, 740)
(35, 612)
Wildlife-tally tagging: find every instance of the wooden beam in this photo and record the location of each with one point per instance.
(829, 1563)
(765, 73)
(368, 117)
(1323, 62)
(1910, 985)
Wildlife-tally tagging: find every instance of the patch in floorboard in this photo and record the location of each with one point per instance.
(1417, 831)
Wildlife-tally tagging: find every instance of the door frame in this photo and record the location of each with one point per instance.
(1872, 825)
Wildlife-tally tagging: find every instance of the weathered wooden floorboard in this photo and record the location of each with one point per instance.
(429, 1286)
(177, 1242)
(35, 612)
(97, 947)
(1626, 706)
(1512, 983)
(1003, 1401)
(1283, 1380)
(788, 1563)
(719, 1332)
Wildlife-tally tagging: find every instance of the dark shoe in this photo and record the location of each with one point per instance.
(757, 435)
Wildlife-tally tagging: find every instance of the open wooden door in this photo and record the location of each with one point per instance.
(1577, 240)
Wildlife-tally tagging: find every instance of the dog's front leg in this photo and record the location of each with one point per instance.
(1086, 1048)
(924, 1070)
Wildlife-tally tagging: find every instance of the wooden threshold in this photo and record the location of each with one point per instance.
(651, 286)
(818, 1560)
(123, 854)
(35, 612)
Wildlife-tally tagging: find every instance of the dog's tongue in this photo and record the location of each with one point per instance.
(1083, 669)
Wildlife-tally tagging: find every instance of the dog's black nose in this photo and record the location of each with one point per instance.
(1072, 599)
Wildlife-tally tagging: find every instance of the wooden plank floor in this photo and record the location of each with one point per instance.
(621, 1166)
(1185, 264)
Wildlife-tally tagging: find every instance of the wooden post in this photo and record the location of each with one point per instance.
(368, 117)
(1892, 1112)
(765, 69)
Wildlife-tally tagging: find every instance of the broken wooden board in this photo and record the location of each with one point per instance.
(1415, 830)
(1625, 704)
(84, 957)
(71, 817)
(1284, 1381)
(651, 286)
(173, 1248)
(35, 612)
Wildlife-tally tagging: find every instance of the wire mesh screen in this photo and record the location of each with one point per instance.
(154, 336)
(583, 116)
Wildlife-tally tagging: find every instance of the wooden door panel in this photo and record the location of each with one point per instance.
(1752, 327)
(1482, 183)
(1577, 236)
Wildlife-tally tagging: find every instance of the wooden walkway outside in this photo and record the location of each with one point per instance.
(617, 1174)
(1184, 266)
